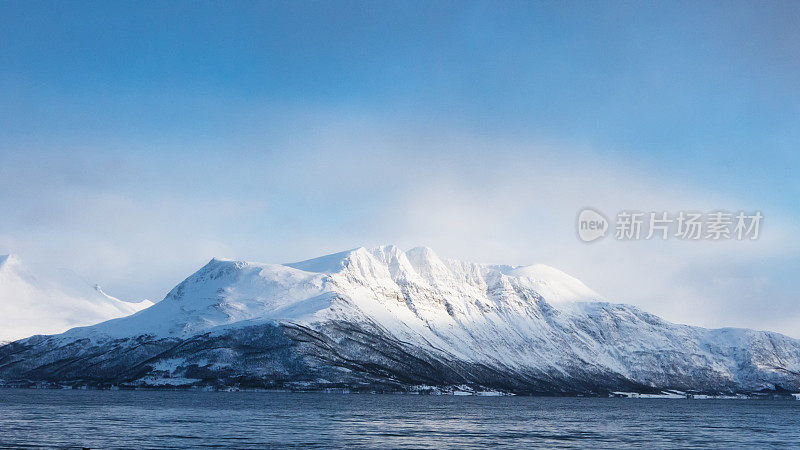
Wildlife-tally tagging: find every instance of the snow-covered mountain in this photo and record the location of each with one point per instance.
(33, 303)
(388, 319)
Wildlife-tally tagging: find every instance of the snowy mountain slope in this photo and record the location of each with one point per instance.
(388, 319)
(35, 304)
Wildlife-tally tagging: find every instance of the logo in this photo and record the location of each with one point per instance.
(684, 225)
(591, 225)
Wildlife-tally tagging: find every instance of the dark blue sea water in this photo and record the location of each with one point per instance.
(137, 419)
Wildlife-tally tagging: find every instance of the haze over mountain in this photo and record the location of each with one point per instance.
(36, 303)
(384, 319)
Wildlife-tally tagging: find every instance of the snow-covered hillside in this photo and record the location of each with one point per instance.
(388, 319)
(36, 304)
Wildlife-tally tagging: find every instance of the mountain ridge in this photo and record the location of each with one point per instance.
(392, 320)
(36, 302)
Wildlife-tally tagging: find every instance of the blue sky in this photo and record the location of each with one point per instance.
(140, 139)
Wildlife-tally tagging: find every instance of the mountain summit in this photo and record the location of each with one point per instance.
(384, 319)
(33, 302)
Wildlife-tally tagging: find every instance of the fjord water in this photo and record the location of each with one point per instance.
(190, 419)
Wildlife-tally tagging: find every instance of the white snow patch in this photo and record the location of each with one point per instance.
(52, 301)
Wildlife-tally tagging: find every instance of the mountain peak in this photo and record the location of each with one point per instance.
(390, 255)
(331, 263)
(386, 249)
(387, 254)
(553, 284)
(9, 260)
(215, 261)
(47, 300)
(427, 264)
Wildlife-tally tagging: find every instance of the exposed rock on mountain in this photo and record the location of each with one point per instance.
(384, 319)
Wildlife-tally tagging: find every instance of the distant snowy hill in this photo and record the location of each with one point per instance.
(52, 303)
(384, 319)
